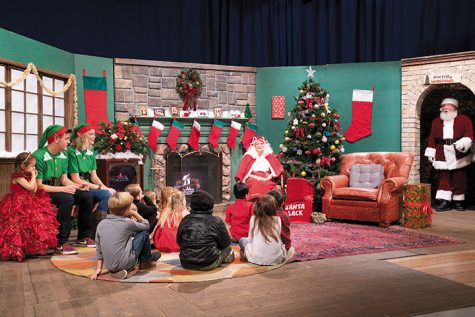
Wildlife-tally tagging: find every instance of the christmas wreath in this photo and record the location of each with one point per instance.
(188, 86)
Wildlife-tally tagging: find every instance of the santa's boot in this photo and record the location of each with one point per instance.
(443, 206)
(459, 205)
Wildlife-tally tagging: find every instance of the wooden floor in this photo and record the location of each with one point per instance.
(363, 285)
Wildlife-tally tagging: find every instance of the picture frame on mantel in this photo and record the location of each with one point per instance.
(218, 112)
(159, 112)
(174, 111)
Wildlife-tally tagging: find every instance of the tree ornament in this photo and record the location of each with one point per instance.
(332, 147)
(311, 125)
(301, 91)
(324, 139)
(333, 159)
(295, 122)
(337, 142)
(322, 115)
(317, 161)
(315, 151)
(309, 136)
(303, 173)
(308, 152)
(313, 116)
(188, 87)
(287, 139)
(316, 106)
(299, 152)
(318, 135)
(324, 124)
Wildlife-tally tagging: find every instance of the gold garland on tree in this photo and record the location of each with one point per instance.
(71, 82)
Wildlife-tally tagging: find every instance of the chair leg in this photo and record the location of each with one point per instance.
(384, 224)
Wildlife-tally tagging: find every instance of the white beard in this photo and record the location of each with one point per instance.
(447, 116)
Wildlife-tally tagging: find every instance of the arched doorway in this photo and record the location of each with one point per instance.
(429, 111)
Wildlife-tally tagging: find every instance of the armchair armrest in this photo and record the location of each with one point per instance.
(390, 185)
(330, 183)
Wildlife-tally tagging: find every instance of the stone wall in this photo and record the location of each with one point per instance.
(152, 83)
(414, 90)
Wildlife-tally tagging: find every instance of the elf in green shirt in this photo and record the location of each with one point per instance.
(82, 169)
(52, 167)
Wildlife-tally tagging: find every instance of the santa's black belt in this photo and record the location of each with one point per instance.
(445, 141)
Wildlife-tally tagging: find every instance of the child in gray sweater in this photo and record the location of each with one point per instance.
(121, 242)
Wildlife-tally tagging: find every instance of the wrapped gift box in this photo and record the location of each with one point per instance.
(417, 209)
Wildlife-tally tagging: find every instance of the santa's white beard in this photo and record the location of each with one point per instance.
(447, 116)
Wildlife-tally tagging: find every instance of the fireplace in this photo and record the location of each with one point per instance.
(208, 168)
(195, 170)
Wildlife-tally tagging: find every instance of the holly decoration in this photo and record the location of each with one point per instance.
(313, 129)
(189, 86)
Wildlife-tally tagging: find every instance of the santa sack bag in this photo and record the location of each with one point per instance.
(318, 217)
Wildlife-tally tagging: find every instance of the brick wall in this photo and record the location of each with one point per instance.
(139, 82)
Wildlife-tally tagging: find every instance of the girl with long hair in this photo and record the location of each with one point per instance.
(264, 246)
(168, 222)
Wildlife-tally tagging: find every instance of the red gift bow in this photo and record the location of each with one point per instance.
(299, 132)
(190, 93)
(308, 103)
(325, 160)
(423, 205)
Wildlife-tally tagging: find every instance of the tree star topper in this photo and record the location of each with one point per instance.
(310, 72)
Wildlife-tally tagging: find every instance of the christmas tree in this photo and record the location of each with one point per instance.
(247, 112)
(312, 143)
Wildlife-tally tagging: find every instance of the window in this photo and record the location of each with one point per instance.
(26, 109)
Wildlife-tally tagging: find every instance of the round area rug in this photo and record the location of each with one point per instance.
(168, 269)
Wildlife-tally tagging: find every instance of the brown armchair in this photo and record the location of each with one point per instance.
(381, 205)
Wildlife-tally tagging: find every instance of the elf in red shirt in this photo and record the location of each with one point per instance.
(239, 213)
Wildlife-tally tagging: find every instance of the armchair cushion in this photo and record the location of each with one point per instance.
(366, 175)
(368, 194)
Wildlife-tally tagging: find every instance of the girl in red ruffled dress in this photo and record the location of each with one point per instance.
(28, 222)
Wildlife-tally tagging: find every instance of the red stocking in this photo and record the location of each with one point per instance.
(361, 114)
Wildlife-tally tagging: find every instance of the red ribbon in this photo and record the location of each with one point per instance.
(299, 132)
(424, 206)
(308, 103)
(190, 93)
(326, 160)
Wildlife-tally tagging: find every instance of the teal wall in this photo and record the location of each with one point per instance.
(24, 50)
(339, 81)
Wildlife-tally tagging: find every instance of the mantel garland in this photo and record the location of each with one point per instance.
(189, 86)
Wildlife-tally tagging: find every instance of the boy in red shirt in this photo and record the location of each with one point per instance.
(284, 218)
(239, 213)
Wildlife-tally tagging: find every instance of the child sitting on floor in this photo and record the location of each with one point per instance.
(264, 246)
(239, 213)
(285, 220)
(152, 196)
(203, 238)
(145, 206)
(122, 242)
(170, 218)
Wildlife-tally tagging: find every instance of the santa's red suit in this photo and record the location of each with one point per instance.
(259, 165)
(445, 137)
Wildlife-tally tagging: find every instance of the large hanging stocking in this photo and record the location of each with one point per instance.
(361, 115)
(95, 99)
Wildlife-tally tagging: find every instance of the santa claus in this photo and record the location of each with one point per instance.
(258, 168)
(449, 152)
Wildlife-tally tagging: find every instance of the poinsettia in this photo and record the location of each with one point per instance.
(120, 137)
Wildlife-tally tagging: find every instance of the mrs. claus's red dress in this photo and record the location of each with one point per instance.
(28, 222)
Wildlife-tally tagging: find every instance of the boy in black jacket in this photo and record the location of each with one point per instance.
(203, 238)
(145, 207)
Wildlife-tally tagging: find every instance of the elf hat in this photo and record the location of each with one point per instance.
(50, 132)
(258, 138)
(80, 129)
(450, 101)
